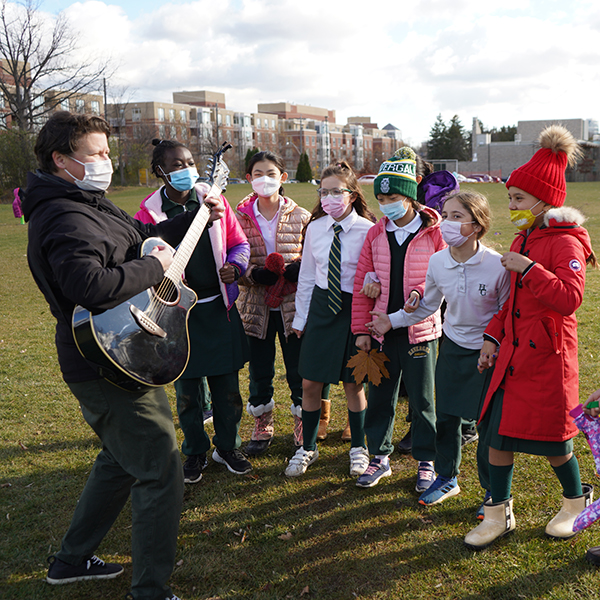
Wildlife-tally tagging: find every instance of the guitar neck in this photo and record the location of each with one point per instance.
(189, 242)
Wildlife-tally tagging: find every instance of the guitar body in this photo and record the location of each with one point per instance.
(124, 351)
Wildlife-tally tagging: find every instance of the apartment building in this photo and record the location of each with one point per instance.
(202, 121)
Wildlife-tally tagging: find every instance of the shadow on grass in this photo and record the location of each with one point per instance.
(338, 540)
(12, 451)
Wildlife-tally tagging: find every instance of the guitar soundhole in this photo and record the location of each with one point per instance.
(168, 292)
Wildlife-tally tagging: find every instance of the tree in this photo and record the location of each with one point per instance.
(448, 141)
(16, 158)
(459, 140)
(437, 145)
(37, 72)
(303, 172)
(251, 152)
(506, 133)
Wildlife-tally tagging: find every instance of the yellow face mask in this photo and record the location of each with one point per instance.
(524, 219)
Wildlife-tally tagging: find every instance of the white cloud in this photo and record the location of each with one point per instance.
(397, 62)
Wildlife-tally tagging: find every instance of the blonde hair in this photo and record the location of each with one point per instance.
(477, 206)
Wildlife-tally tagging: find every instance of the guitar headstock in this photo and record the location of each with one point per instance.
(217, 169)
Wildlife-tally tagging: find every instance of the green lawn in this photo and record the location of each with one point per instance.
(343, 542)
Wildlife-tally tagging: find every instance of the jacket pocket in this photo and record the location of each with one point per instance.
(554, 333)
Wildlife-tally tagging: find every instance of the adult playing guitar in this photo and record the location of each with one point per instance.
(78, 252)
(144, 341)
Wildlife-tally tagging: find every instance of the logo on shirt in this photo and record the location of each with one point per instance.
(575, 265)
(419, 351)
(482, 289)
(385, 185)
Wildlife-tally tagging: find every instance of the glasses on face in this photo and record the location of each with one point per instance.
(335, 192)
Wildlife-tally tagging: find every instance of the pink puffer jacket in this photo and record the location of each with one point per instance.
(376, 257)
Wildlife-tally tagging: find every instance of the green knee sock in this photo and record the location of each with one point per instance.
(500, 482)
(310, 428)
(568, 475)
(357, 428)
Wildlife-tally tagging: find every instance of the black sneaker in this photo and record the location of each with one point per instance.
(405, 444)
(468, 436)
(61, 572)
(256, 447)
(593, 555)
(234, 460)
(193, 467)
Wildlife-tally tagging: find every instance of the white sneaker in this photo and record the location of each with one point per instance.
(301, 461)
(359, 461)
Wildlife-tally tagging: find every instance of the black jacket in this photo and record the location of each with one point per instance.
(82, 250)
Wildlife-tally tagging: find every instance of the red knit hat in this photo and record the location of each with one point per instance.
(544, 175)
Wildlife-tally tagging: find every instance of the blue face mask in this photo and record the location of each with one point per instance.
(393, 211)
(183, 179)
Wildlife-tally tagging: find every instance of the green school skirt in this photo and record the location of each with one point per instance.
(489, 435)
(327, 342)
(218, 344)
(459, 387)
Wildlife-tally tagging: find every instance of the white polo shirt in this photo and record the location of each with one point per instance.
(474, 290)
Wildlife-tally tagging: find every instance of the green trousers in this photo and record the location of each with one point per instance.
(262, 363)
(227, 412)
(415, 364)
(139, 456)
(448, 450)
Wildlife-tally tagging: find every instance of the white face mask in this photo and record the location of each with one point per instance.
(451, 232)
(266, 186)
(98, 175)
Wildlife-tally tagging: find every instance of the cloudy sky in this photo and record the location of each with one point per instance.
(396, 61)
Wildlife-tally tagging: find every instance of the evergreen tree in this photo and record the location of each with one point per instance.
(506, 133)
(304, 172)
(449, 141)
(437, 145)
(249, 155)
(459, 140)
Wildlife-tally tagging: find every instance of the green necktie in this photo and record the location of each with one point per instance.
(334, 273)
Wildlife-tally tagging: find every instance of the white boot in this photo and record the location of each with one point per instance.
(561, 526)
(498, 520)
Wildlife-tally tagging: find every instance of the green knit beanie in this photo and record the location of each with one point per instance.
(398, 174)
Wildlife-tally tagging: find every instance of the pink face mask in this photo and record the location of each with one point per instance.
(334, 206)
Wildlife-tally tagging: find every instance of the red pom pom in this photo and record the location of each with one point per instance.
(275, 263)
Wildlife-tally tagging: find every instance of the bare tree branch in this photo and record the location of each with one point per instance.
(37, 71)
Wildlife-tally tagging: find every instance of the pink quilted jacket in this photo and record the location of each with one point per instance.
(376, 257)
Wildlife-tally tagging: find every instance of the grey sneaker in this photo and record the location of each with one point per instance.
(375, 471)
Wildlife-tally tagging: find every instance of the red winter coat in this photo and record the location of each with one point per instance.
(376, 256)
(537, 330)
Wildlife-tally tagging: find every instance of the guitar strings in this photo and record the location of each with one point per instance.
(157, 305)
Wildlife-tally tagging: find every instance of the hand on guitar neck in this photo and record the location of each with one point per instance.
(217, 208)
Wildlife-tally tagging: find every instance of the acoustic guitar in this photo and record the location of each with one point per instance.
(144, 341)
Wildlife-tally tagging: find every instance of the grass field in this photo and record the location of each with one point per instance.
(264, 536)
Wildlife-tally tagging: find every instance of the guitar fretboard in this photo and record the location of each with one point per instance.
(185, 249)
